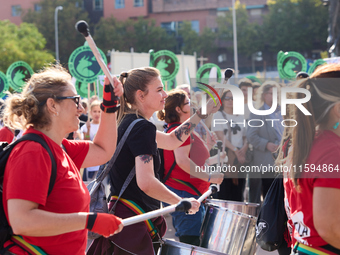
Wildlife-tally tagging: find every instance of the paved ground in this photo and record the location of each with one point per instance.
(170, 234)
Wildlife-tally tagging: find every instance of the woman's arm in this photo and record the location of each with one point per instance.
(26, 219)
(152, 187)
(176, 138)
(326, 208)
(104, 143)
(190, 167)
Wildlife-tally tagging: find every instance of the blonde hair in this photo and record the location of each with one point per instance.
(95, 103)
(264, 88)
(134, 80)
(30, 105)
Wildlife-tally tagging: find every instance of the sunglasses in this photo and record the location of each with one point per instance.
(228, 98)
(76, 99)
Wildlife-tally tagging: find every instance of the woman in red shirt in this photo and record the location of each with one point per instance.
(183, 180)
(57, 223)
(312, 188)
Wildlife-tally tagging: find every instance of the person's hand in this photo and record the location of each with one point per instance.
(211, 107)
(104, 224)
(110, 102)
(195, 205)
(235, 181)
(240, 156)
(216, 178)
(88, 125)
(272, 147)
(118, 90)
(211, 139)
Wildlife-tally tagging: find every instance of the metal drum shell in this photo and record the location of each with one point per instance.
(176, 248)
(228, 231)
(243, 207)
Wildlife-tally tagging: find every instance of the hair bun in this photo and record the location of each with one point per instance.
(124, 74)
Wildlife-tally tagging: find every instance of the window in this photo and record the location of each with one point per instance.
(16, 10)
(97, 5)
(80, 4)
(120, 4)
(195, 25)
(138, 3)
(37, 7)
(171, 27)
(255, 12)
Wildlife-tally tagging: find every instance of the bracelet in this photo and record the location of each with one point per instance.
(201, 116)
(209, 177)
(87, 136)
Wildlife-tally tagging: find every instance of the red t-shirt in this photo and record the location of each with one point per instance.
(27, 177)
(299, 205)
(199, 154)
(6, 135)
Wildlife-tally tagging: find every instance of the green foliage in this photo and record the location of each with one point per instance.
(141, 34)
(295, 25)
(23, 43)
(69, 38)
(248, 34)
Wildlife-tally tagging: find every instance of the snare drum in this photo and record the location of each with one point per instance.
(228, 231)
(176, 248)
(247, 208)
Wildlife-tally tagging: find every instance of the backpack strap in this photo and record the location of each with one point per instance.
(173, 164)
(37, 138)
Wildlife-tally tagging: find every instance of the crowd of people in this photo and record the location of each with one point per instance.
(58, 222)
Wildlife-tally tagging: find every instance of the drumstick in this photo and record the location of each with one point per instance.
(212, 189)
(83, 28)
(182, 206)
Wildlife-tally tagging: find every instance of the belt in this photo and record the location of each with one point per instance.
(313, 250)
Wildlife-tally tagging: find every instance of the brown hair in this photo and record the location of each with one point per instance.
(324, 93)
(175, 98)
(134, 80)
(30, 105)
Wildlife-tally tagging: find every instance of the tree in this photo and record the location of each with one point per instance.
(23, 43)
(141, 34)
(295, 25)
(69, 38)
(248, 34)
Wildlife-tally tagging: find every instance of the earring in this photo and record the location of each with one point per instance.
(57, 114)
(336, 125)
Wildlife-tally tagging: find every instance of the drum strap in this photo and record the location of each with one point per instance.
(137, 210)
(30, 248)
(323, 250)
(188, 184)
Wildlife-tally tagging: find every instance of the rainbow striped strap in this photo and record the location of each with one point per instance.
(312, 250)
(137, 210)
(30, 248)
(188, 184)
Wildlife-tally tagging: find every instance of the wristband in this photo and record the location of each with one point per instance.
(87, 136)
(91, 218)
(109, 109)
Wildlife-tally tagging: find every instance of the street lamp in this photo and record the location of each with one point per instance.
(56, 32)
(235, 41)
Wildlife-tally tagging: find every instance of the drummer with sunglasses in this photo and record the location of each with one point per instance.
(56, 221)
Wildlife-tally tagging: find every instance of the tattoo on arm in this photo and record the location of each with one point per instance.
(184, 129)
(145, 158)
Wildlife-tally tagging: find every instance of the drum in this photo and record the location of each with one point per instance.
(176, 248)
(247, 208)
(228, 231)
